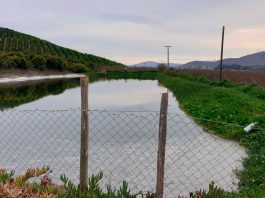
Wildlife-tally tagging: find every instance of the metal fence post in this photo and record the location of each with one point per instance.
(84, 134)
(161, 146)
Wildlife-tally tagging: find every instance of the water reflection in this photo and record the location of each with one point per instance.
(111, 95)
(123, 144)
(14, 94)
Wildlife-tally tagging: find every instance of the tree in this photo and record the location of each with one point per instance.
(78, 68)
(161, 67)
(39, 62)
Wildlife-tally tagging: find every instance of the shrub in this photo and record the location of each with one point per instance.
(93, 189)
(21, 187)
(78, 68)
(22, 63)
(38, 62)
(161, 67)
(213, 192)
(54, 62)
(9, 63)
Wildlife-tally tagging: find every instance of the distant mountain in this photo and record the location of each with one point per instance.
(200, 65)
(154, 64)
(146, 64)
(175, 64)
(251, 62)
(15, 42)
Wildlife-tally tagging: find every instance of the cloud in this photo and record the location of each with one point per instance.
(133, 31)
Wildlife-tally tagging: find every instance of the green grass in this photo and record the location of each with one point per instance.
(144, 75)
(227, 102)
(231, 103)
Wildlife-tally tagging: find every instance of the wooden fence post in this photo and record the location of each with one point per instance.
(161, 146)
(84, 134)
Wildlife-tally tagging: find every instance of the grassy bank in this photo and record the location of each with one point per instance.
(227, 102)
(143, 75)
(230, 103)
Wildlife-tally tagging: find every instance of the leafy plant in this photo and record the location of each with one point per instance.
(213, 192)
(20, 187)
(4, 176)
(94, 190)
(30, 173)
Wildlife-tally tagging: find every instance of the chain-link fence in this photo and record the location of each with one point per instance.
(123, 145)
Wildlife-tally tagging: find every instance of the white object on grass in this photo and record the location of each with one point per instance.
(250, 127)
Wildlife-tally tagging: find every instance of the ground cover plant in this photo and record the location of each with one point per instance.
(230, 103)
(20, 187)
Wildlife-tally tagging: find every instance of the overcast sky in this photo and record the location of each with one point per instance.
(132, 31)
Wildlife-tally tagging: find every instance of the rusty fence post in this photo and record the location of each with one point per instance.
(161, 146)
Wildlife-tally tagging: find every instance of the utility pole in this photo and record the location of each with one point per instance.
(168, 46)
(222, 49)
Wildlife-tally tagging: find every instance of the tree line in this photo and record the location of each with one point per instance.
(19, 60)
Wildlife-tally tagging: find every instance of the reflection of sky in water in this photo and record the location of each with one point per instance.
(111, 95)
(122, 144)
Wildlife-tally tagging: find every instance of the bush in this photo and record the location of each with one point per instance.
(78, 68)
(9, 63)
(161, 67)
(54, 62)
(94, 190)
(21, 62)
(27, 60)
(39, 62)
(213, 192)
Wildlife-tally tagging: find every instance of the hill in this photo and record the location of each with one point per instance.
(16, 43)
(254, 61)
(146, 64)
(154, 64)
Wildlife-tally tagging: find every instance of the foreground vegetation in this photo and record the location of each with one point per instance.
(20, 187)
(230, 103)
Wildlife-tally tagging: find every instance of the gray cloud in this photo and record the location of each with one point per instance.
(132, 31)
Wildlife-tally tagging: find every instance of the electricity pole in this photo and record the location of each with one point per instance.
(168, 46)
(222, 49)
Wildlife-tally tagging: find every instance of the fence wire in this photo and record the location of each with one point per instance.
(123, 145)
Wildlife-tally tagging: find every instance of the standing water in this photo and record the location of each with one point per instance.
(123, 121)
